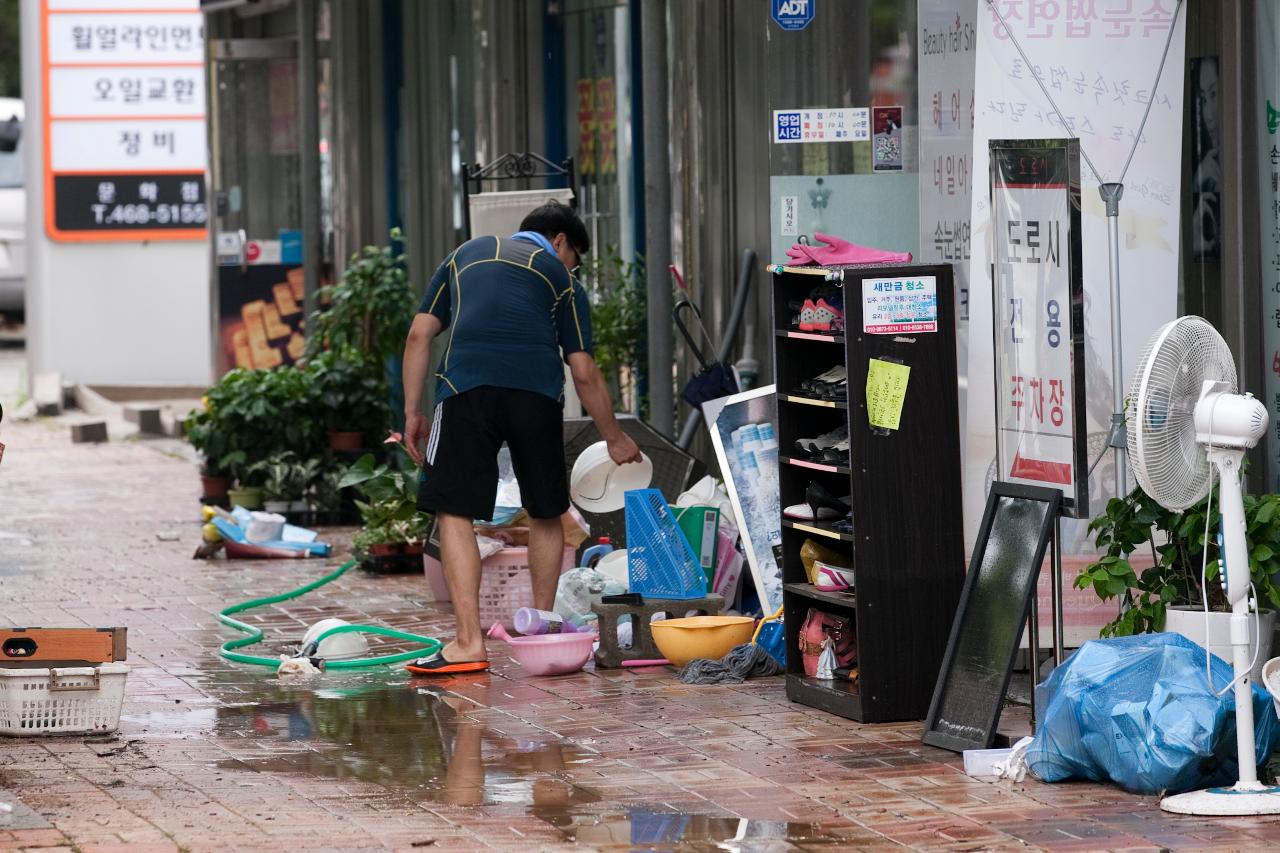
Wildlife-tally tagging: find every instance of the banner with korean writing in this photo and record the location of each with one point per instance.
(1098, 61)
(1268, 121)
(123, 113)
(1038, 307)
(948, 36)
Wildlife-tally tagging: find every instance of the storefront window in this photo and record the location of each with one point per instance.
(597, 58)
(843, 126)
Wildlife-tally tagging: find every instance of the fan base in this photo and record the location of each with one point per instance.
(1225, 802)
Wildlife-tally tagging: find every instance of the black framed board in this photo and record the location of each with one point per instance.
(1017, 527)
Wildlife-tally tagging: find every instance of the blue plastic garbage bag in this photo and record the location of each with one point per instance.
(1138, 711)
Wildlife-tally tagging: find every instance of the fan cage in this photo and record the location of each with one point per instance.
(1167, 461)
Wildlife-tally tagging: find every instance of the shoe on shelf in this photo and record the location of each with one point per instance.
(819, 499)
(836, 391)
(804, 512)
(811, 446)
(817, 383)
(838, 453)
(825, 318)
(805, 319)
(832, 578)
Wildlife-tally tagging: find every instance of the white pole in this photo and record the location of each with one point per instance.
(1111, 194)
(1236, 570)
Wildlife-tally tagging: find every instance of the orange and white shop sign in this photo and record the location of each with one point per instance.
(124, 120)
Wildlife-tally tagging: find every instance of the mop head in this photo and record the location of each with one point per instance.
(298, 667)
(745, 661)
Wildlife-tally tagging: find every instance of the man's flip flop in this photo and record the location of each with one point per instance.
(437, 665)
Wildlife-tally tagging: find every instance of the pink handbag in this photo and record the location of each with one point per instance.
(818, 625)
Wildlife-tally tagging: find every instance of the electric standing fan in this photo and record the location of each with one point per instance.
(1184, 420)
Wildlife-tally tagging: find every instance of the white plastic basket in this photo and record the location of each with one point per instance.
(70, 700)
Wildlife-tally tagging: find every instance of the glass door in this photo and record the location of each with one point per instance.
(255, 172)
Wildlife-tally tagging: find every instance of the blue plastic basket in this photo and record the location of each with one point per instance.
(660, 560)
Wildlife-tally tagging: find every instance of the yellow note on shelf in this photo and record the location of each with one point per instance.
(886, 392)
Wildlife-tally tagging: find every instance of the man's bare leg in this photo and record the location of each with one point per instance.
(461, 558)
(546, 554)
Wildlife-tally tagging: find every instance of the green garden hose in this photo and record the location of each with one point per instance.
(430, 645)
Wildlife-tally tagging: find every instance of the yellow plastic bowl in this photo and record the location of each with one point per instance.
(700, 637)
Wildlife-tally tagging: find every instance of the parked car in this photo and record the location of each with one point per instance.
(13, 208)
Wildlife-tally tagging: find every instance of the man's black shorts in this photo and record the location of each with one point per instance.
(460, 475)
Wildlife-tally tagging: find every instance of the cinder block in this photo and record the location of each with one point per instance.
(89, 432)
(146, 417)
(642, 647)
(46, 390)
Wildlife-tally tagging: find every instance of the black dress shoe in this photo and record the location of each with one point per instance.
(817, 497)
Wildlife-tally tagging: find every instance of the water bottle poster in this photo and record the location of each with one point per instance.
(742, 430)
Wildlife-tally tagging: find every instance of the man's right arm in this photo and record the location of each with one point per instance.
(434, 315)
(594, 394)
(417, 358)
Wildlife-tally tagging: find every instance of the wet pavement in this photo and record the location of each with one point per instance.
(218, 756)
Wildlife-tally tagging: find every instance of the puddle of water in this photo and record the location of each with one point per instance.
(413, 742)
(649, 829)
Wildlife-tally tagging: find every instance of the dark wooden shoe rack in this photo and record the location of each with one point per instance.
(907, 546)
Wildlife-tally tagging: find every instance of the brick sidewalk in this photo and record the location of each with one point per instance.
(212, 756)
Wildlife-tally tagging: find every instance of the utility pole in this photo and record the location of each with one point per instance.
(657, 201)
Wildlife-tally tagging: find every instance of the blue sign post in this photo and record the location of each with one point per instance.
(793, 14)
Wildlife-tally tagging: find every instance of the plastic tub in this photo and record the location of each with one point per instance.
(700, 637)
(505, 586)
(61, 700)
(550, 654)
(982, 762)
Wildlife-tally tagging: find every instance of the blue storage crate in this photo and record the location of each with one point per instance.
(660, 560)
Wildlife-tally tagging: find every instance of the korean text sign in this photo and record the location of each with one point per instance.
(1038, 306)
(124, 119)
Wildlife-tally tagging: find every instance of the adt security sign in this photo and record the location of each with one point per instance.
(793, 14)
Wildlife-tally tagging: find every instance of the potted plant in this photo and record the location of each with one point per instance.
(352, 390)
(368, 310)
(249, 416)
(394, 529)
(286, 483)
(1168, 596)
(246, 496)
(210, 441)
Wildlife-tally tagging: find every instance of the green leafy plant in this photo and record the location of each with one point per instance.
(368, 310)
(618, 313)
(288, 477)
(1178, 546)
(251, 415)
(351, 390)
(389, 511)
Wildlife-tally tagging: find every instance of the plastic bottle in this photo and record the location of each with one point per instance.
(592, 555)
(530, 621)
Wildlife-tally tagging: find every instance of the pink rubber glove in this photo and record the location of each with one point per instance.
(839, 251)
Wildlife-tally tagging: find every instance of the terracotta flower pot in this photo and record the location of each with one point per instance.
(212, 486)
(346, 440)
(385, 549)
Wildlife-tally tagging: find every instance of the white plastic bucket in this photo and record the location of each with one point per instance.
(598, 484)
(1271, 681)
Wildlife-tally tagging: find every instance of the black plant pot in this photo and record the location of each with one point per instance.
(406, 559)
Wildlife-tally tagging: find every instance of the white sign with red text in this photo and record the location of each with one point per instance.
(1032, 307)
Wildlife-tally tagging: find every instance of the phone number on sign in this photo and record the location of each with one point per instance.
(146, 214)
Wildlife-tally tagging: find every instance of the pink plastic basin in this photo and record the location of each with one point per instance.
(552, 654)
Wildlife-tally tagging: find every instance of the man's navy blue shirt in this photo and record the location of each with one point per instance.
(514, 310)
